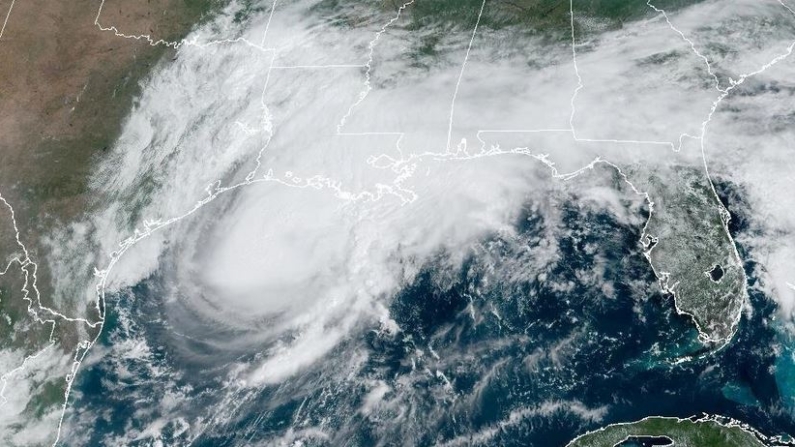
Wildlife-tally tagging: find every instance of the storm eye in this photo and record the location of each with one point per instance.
(716, 273)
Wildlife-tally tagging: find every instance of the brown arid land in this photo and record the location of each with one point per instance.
(66, 86)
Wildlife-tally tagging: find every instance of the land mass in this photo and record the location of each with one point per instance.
(662, 431)
(65, 88)
(688, 244)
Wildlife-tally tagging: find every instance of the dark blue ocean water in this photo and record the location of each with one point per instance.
(503, 348)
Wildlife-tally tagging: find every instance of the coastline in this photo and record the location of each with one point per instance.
(63, 102)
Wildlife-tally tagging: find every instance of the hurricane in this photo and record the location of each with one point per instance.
(429, 223)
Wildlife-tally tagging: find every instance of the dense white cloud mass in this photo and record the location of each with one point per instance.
(341, 168)
(752, 143)
(283, 178)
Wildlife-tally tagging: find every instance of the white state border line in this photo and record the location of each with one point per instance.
(461, 75)
(215, 189)
(5, 22)
(29, 270)
(195, 43)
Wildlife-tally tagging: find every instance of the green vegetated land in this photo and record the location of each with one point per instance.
(681, 433)
(435, 21)
(47, 182)
(525, 15)
(81, 94)
(540, 15)
(689, 224)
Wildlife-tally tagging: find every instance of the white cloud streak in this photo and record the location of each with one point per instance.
(330, 225)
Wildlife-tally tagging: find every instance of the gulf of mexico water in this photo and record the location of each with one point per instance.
(512, 346)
